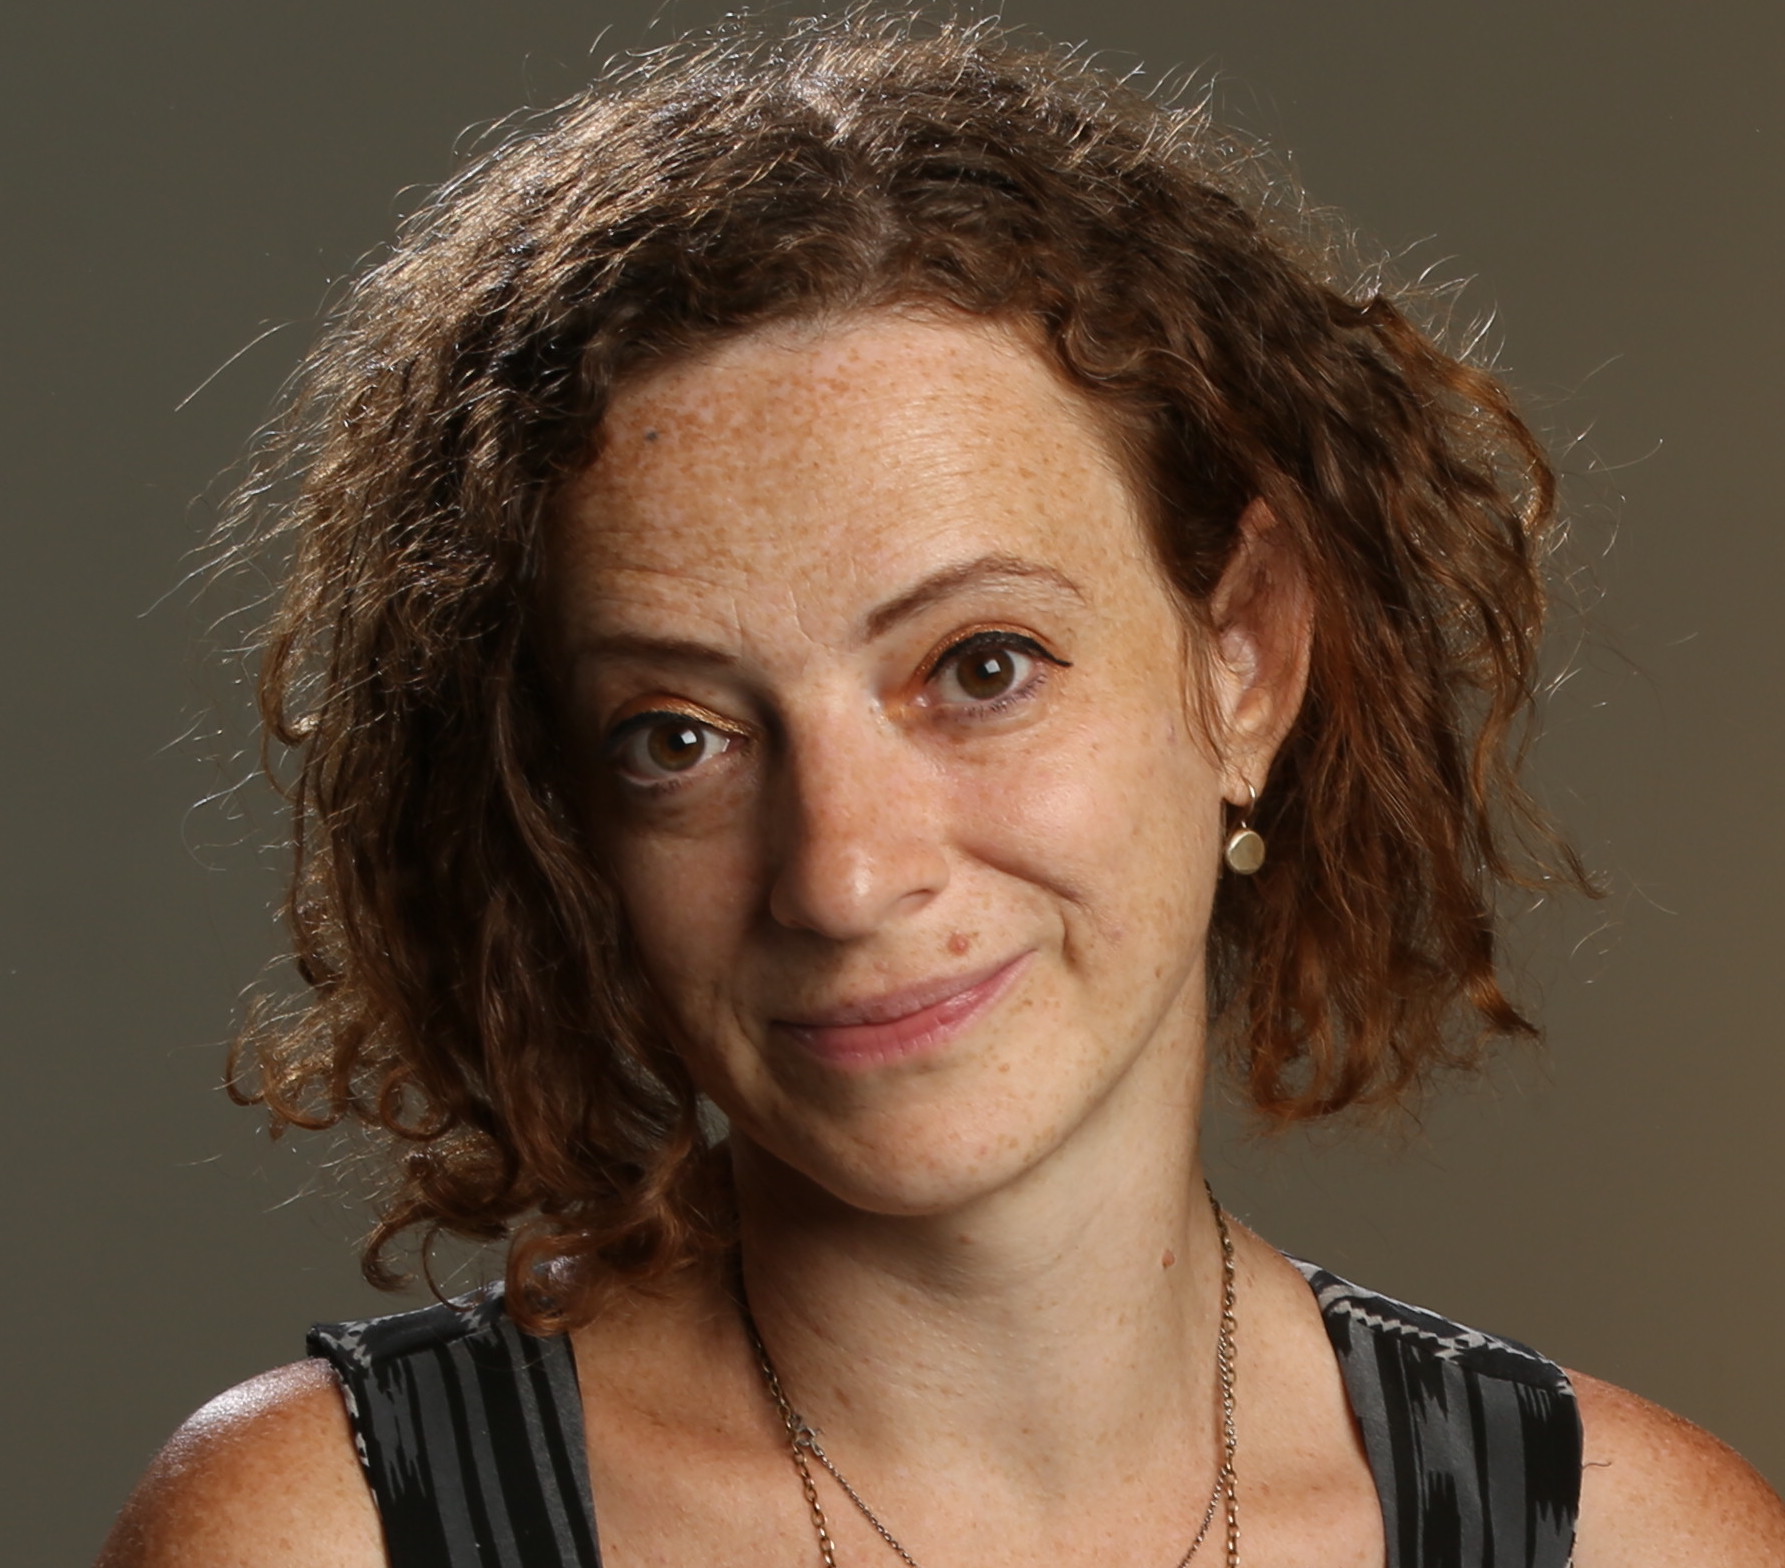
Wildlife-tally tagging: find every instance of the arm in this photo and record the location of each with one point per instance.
(1659, 1492)
(265, 1476)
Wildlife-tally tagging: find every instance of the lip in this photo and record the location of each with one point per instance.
(911, 1021)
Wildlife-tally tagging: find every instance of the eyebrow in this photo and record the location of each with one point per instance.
(986, 571)
(636, 645)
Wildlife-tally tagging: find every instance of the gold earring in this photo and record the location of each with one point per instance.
(1245, 844)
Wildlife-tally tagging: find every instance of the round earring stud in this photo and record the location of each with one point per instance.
(1244, 853)
(1245, 850)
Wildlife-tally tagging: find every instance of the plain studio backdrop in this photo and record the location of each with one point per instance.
(186, 182)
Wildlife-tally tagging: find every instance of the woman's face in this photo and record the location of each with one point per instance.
(888, 720)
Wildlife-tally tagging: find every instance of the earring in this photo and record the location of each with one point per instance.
(1245, 844)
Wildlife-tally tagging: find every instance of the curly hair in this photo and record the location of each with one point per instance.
(467, 987)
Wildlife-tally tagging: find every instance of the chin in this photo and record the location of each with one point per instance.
(928, 1146)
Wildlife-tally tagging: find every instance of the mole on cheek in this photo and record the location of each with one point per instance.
(959, 943)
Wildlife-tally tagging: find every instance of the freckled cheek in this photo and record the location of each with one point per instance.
(687, 905)
(1114, 831)
(1084, 798)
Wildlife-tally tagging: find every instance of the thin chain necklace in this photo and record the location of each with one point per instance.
(803, 1441)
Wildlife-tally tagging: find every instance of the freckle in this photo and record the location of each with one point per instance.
(959, 943)
(1169, 1259)
(651, 435)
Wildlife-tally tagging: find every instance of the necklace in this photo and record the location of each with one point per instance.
(802, 1440)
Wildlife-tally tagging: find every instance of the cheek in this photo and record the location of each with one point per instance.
(685, 900)
(1118, 820)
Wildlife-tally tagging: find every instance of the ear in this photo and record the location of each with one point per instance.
(1261, 614)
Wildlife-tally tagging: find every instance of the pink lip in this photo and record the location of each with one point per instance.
(902, 1023)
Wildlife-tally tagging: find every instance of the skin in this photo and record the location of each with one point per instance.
(985, 1266)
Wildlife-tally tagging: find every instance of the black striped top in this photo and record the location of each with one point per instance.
(471, 1434)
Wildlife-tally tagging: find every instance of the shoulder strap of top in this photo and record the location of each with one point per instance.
(471, 1434)
(1475, 1442)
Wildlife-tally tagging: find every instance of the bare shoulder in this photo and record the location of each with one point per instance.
(1657, 1491)
(263, 1476)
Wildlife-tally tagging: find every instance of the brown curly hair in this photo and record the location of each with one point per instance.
(467, 985)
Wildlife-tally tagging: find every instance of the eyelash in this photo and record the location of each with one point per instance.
(975, 712)
(970, 712)
(640, 724)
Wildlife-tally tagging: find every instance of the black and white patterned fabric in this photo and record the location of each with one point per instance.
(1475, 1442)
(471, 1434)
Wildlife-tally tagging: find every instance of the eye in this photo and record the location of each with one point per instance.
(988, 668)
(656, 748)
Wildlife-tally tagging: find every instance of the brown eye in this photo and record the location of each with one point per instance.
(659, 746)
(988, 668)
(985, 673)
(675, 747)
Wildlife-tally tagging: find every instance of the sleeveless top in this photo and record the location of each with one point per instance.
(471, 1435)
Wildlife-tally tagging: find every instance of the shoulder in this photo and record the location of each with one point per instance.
(1659, 1492)
(263, 1476)
(1350, 1311)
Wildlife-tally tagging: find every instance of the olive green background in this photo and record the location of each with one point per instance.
(184, 182)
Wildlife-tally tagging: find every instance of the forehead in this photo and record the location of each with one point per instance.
(868, 452)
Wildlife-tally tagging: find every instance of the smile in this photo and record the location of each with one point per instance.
(909, 1022)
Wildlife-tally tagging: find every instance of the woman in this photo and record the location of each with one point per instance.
(871, 585)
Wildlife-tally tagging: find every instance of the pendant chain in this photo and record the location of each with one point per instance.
(803, 1440)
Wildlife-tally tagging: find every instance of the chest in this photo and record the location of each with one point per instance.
(484, 1450)
(666, 1503)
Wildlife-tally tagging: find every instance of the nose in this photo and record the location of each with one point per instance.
(858, 837)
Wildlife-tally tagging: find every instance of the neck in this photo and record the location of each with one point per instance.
(1030, 1332)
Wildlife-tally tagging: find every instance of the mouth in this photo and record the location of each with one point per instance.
(911, 1021)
